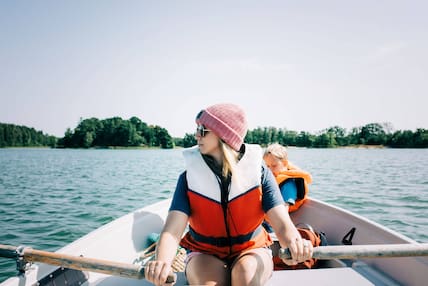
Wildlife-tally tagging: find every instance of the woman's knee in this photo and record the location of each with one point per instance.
(253, 268)
(206, 270)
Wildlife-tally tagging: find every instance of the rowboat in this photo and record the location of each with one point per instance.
(363, 252)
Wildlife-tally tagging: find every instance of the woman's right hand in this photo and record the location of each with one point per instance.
(158, 273)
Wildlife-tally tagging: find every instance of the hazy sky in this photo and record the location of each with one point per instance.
(300, 65)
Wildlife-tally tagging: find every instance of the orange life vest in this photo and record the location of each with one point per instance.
(225, 229)
(302, 189)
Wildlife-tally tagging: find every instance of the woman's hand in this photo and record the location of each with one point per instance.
(157, 272)
(288, 235)
(300, 250)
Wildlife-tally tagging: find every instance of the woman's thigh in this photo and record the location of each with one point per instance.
(253, 267)
(203, 269)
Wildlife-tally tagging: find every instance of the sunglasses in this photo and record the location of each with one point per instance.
(201, 131)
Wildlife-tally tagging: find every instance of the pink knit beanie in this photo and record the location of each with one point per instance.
(227, 121)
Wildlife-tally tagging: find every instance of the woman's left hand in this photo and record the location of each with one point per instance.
(300, 250)
(288, 235)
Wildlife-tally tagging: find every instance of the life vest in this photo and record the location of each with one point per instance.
(302, 185)
(225, 229)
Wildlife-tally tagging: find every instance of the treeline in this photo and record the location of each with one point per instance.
(12, 135)
(370, 134)
(115, 131)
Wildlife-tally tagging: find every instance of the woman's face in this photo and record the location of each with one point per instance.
(274, 164)
(208, 141)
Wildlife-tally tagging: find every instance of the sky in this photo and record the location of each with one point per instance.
(295, 65)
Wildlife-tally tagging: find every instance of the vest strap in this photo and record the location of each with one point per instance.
(225, 241)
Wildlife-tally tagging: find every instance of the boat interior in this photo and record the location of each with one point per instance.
(123, 239)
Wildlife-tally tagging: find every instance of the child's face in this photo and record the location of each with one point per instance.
(274, 164)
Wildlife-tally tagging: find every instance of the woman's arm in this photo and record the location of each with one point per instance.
(288, 235)
(171, 235)
(158, 270)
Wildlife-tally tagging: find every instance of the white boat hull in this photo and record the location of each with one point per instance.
(121, 241)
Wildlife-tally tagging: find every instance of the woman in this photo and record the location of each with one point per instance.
(224, 195)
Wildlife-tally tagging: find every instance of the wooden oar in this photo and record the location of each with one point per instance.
(76, 262)
(364, 251)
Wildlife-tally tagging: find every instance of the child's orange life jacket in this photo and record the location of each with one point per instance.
(302, 185)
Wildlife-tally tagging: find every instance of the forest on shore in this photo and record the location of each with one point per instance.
(133, 132)
(12, 135)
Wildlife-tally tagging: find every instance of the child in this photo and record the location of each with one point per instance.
(292, 181)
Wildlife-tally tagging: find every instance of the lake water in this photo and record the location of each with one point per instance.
(50, 197)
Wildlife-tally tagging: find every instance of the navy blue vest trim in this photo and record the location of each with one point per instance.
(225, 241)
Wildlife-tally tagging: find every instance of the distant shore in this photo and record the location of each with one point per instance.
(362, 146)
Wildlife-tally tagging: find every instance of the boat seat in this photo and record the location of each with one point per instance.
(323, 277)
(349, 276)
(327, 276)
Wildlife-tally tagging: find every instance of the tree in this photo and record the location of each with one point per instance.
(325, 140)
(163, 139)
(2, 136)
(305, 139)
(373, 134)
(289, 138)
(189, 140)
(12, 135)
(339, 135)
(115, 131)
(420, 138)
(401, 139)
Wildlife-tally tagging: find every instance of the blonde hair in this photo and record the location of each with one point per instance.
(230, 158)
(277, 150)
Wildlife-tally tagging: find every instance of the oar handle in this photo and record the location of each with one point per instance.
(77, 262)
(364, 251)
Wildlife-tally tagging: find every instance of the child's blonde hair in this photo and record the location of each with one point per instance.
(277, 150)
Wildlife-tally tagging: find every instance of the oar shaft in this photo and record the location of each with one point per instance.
(77, 262)
(8, 251)
(85, 264)
(365, 251)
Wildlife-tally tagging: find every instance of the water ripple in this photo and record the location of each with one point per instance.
(52, 197)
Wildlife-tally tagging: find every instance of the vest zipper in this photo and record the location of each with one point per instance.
(225, 190)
